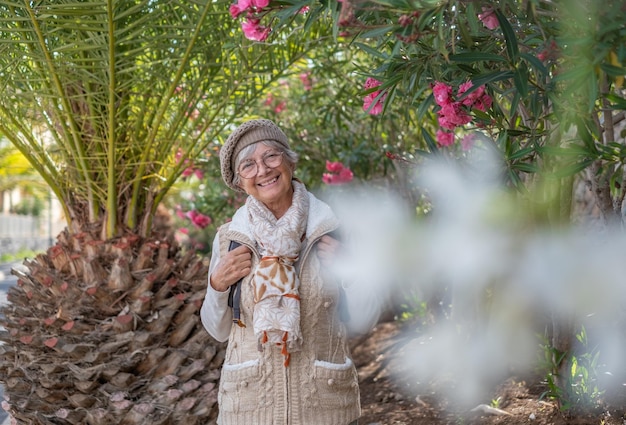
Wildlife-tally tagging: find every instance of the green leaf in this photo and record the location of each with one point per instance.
(515, 179)
(378, 32)
(521, 153)
(396, 4)
(472, 18)
(535, 62)
(492, 77)
(371, 51)
(465, 35)
(586, 135)
(616, 101)
(563, 151)
(424, 106)
(476, 57)
(572, 169)
(612, 70)
(536, 102)
(515, 103)
(509, 36)
(525, 167)
(430, 142)
(520, 78)
(577, 73)
(483, 116)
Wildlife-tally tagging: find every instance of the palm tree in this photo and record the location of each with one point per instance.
(109, 101)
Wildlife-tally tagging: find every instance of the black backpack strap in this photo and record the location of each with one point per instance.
(234, 295)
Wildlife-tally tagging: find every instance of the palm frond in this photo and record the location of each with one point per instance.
(107, 99)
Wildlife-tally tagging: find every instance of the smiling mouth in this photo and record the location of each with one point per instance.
(274, 180)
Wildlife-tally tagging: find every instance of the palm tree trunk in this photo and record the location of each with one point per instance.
(89, 344)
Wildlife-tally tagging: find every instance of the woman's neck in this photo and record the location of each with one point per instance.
(280, 207)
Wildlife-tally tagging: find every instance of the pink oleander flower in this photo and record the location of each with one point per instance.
(189, 166)
(179, 155)
(453, 115)
(305, 77)
(477, 99)
(442, 93)
(235, 11)
(189, 169)
(280, 107)
(483, 103)
(445, 122)
(445, 138)
(180, 213)
(550, 52)
(346, 175)
(392, 156)
(193, 114)
(244, 5)
(370, 83)
(370, 97)
(489, 18)
(467, 142)
(473, 96)
(543, 55)
(198, 219)
(304, 10)
(339, 173)
(253, 30)
(334, 167)
(183, 230)
(199, 174)
(405, 20)
(336, 179)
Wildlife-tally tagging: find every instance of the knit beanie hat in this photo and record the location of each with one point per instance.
(246, 134)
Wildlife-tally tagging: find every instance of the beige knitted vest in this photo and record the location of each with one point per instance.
(320, 386)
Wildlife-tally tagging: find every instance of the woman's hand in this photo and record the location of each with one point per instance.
(231, 267)
(327, 247)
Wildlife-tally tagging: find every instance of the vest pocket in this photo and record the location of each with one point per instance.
(240, 387)
(335, 385)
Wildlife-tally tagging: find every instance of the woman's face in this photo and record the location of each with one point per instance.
(272, 186)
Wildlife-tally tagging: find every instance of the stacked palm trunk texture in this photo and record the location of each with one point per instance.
(108, 332)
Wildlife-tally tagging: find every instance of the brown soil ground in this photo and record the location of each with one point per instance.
(389, 400)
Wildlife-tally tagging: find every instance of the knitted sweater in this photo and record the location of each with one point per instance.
(320, 385)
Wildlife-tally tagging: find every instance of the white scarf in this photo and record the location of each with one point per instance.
(275, 283)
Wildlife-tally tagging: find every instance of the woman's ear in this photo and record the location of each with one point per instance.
(240, 186)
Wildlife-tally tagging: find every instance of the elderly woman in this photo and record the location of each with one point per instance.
(287, 359)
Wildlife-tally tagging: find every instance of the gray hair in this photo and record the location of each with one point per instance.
(290, 156)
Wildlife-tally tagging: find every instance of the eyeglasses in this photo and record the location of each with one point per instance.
(249, 169)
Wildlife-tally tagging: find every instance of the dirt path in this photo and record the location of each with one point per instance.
(390, 400)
